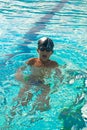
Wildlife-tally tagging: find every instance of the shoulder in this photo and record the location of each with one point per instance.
(54, 64)
(31, 61)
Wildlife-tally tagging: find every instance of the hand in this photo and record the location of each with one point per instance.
(19, 75)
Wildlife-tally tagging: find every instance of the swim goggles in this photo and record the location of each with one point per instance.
(41, 48)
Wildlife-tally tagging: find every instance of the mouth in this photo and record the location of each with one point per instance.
(44, 56)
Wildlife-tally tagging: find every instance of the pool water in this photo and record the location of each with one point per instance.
(22, 24)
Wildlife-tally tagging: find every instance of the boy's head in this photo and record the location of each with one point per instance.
(45, 44)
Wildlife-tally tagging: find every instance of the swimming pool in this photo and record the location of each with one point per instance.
(22, 24)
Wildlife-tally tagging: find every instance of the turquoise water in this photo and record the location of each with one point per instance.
(22, 24)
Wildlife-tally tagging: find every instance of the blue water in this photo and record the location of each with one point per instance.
(22, 24)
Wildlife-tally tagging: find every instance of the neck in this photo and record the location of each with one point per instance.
(44, 61)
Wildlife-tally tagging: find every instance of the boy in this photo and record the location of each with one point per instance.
(41, 68)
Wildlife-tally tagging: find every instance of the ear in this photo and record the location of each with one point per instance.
(38, 50)
(51, 52)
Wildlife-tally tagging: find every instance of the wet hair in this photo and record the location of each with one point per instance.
(46, 42)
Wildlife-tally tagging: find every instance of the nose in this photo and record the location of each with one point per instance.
(45, 51)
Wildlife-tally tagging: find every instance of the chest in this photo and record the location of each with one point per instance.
(41, 71)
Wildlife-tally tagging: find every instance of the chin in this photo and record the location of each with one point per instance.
(44, 59)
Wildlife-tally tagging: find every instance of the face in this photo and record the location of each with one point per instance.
(44, 54)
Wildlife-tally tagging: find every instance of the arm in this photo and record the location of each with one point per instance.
(58, 78)
(19, 74)
(59, 74)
